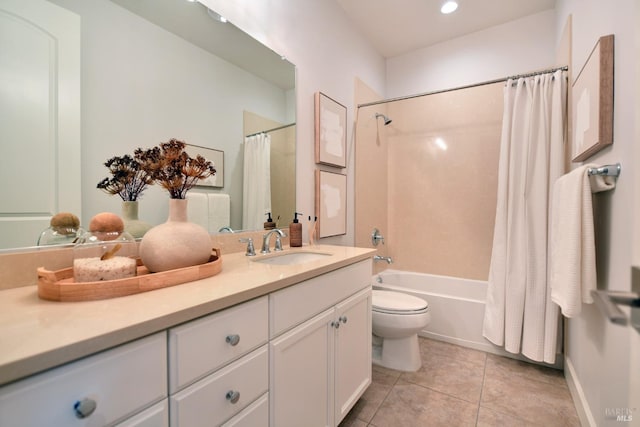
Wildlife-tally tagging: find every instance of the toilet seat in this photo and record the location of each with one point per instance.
(391, 302)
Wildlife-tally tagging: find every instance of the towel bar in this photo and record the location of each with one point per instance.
(608, 170)
(607, 303)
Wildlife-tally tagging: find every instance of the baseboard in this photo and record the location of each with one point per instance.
(577, 394)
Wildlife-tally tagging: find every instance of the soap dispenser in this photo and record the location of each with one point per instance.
(269, 225)
(295, 232)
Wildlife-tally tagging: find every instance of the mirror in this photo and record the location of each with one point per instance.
(152, 70)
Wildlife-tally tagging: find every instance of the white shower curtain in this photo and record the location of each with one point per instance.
(256, 187)
(519, 314)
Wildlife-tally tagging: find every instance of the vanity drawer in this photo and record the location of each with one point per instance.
(212, 400)
(156, 416)
(121, 381)
(201, 346)
(255, 415)
(293, 305)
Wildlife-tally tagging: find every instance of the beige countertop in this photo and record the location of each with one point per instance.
(36, 334)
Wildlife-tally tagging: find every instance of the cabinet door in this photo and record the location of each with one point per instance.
(353, 352)
(301, 383)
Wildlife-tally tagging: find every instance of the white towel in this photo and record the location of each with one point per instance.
(198, 209)
(572, 262)
(219, 211)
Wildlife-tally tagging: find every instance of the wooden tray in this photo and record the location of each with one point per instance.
(60, 286)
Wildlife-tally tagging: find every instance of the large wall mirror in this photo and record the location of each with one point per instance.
(152, 70)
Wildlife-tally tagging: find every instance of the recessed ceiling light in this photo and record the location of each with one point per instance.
(448, 7)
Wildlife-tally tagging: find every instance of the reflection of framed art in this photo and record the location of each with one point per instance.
(331, 203)
(216, 157)
(331, 131)
(592, 102)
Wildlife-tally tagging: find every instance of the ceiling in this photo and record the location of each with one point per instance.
(395, 27)
(195, 23)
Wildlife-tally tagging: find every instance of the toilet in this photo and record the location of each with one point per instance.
(396, 320)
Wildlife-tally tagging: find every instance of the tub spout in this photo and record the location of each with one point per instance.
(383, 258)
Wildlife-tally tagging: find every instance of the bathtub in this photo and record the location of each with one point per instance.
(456, 305)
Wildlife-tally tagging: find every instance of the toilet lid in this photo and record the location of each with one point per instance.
(397, 302)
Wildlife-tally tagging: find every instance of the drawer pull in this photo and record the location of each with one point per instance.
(343, 319)
(233, 339)
(84, 407)
(233, 396)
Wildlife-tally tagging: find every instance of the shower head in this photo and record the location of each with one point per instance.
(386, 119)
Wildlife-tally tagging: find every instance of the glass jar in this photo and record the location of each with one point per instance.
(64, 228)
(60, 236)
(100, 256)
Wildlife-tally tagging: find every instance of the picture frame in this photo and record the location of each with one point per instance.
(592, 102)
(213, 155)
(331, 203)
(330, 131)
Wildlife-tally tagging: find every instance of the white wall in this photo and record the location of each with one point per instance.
(598, 353)
(142, 85)
(329, 54)
(521, 46)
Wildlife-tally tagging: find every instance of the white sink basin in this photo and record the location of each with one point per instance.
(291, 258)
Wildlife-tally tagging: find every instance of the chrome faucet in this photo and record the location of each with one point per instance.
(383, 258)
(265, 241)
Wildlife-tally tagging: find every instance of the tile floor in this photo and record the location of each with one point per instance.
(457, 386)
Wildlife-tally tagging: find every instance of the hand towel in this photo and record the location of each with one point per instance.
(198, 209)
(219, 211)
(572, 263)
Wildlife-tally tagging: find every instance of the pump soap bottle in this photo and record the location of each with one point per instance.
(269, 225)
(295, 232)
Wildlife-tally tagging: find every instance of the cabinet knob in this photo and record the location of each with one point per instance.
(84, 407)
(335, 325)
(233, 396)
(343, 319)
(233, 339)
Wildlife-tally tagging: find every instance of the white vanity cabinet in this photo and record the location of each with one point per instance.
(219, 365)
(108, 388)
(299, 355)
(320, 347)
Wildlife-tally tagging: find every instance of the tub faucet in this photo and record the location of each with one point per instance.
(383, 258)
(265, 241)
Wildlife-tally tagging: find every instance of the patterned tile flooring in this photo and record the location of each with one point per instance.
(457, 386)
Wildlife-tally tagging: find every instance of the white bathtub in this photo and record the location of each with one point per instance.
(456, 305)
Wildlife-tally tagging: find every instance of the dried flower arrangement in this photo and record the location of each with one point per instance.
(129, 179)
(171, 167)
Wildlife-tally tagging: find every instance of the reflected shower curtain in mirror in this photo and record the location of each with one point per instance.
(256, 186)
(519, 314)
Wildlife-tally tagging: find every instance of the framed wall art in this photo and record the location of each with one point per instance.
(331, 203)
(330, 131)
(216, 157)
(592, 102)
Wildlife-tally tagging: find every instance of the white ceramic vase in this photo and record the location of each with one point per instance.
(132, 224)
(175, 244)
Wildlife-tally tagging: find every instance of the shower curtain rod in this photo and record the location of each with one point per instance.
(402, 98)
(272, 130)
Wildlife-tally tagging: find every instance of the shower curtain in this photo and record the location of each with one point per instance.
(256, 187)
(519, 314)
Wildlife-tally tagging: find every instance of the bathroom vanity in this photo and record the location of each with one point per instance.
(258, 344)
